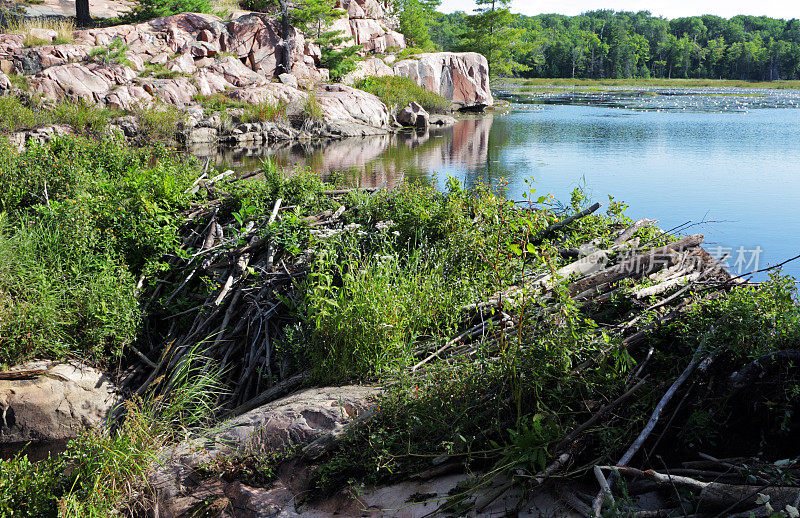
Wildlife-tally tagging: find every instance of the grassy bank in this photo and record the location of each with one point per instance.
(670, 83)
(456, 301)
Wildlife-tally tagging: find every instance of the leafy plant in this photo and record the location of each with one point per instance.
(397, 92)
(160, 122)
(114, 53)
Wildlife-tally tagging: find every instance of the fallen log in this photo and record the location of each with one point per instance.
(715, 495)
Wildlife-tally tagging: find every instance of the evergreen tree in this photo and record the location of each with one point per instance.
(313, 17)
(339, 59)
(490, 32)
(416, 18)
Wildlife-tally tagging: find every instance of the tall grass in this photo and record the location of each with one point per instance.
(312, 109)
(64, 28)
(264, 112)
(80, 220)
(16, 115)
(161, 123)
(384, 306)
(379, 288)
(104, 472)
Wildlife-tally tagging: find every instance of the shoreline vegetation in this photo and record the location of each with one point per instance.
(503, 333)
(634, 83)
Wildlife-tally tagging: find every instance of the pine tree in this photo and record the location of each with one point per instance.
(490, 32)
(338, 59)
(312, 17)
(416, 18)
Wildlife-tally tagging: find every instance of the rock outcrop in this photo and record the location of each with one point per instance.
(369, 67)
(367, 26)
(461, 77)
(178, 60)
(291, 422)
(45, 401)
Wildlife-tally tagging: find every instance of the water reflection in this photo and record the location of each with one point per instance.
(371, 161)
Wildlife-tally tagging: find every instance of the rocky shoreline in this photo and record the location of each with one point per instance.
(176, 61)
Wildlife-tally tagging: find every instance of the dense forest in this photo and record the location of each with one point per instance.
(609, 44)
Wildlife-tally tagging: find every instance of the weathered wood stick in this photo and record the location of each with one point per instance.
(665, 286)
(637, 265)
(271, 247)
(716, 495)
(651, 423)
(564, 222)
(631, 230)
(285, 386)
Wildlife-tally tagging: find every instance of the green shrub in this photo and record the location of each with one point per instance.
(67, 291)
(111, 54)
(218, 102)
(81, 220)
(397, 92)
(15, 116)
(160, 122)
(81, 116)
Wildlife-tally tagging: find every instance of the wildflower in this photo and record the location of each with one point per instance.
(384, 225)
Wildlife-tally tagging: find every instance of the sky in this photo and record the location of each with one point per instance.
(667, 8)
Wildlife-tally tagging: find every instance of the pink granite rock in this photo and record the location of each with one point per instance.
(90, 82)
(462, 78)
(369, 67)
(347, 104)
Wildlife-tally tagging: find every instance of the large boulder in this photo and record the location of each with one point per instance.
(46, 401)
(296, 420)
(90, 82)
(374, 36)
(462, 77)
(285, 424)
(414, 115)
(352, 112)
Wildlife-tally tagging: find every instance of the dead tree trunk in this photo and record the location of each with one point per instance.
(287, 45)
(82, 14)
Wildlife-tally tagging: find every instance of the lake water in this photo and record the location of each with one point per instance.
(728, 162)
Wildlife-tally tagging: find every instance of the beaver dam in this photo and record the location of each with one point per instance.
(285, 345)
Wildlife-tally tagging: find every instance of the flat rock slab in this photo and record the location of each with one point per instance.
(98, 8)
(410, 499)
(45, 401)
(297, 419)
